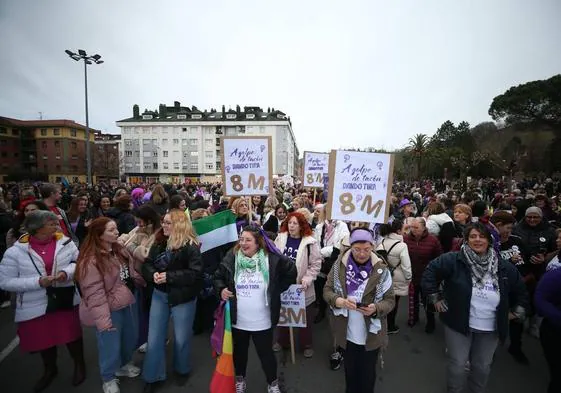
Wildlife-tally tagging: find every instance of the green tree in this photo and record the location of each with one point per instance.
(536, 102)
(418, 148)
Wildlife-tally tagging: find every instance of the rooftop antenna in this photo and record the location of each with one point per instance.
(40, 115)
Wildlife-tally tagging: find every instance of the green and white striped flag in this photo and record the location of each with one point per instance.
(216, 230)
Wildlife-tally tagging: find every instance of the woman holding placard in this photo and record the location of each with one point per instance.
(360, 293)
(296, 241)
(253, 275)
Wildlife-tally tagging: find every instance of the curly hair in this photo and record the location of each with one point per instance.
(305, 229)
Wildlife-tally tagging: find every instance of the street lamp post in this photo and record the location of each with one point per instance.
(95, 59)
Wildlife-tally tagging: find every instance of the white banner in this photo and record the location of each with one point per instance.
(247, 165)
(315, 166)
(293, 307)
(360, 186)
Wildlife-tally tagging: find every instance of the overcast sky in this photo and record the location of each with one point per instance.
(348, 73)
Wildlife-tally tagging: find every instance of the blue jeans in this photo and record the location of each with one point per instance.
(116, 347)
(154, 369)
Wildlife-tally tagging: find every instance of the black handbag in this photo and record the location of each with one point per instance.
(58, 298)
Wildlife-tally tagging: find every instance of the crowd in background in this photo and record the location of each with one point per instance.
(484, 258)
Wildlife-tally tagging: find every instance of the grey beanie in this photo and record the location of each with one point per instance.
(535, 210)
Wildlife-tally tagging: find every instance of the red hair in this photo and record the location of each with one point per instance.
(305, 229)
(91, 251)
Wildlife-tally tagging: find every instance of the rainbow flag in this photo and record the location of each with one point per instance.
(224, 377)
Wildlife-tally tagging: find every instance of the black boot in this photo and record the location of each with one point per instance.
(320, 315)
(50, 372)
(76, 349)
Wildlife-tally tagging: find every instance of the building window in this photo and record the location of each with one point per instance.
(176, 165)
(75, 145)
(45, 158)
(43, 132)
(230, 116)
(74, 157)
(184, 166)
(182, 117)
(262, 130)
(146, 142)
(137, 153)
(56, 131)
(250, 116)
(184, 129)
(208, 142)
(209, 155)
(57, 144)
(128, 142)
(165, 165)
(147, 166)
(154, 154)
(154, 141)
(176, 141)
(15, 131)
(57, 168)
(196, 117)
(57, 156)
(154, 165)
(44, 144)
(194, 166)
(147, 117)
(73, 132)
(194, 154)
(3, 131)
(74, 168)
(45, 168)
(184, 142)
(193, 142)
(128, 153)
(146, 154)
(166, 153)
(209, 166)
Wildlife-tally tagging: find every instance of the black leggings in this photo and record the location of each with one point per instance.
(263, 341)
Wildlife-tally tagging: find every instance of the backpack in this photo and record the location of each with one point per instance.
(383, 254)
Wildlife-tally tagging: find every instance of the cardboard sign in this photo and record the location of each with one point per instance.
(360, 186)
(316, 165)
(293, 307)
(247, 165)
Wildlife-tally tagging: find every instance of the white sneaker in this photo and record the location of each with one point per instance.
(142, 348)
(274, 387)
(111, 386)
(129, 370)
(240, 385)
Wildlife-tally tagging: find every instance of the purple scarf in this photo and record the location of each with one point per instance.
(356, 274)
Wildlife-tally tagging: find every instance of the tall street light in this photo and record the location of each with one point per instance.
(95, 59)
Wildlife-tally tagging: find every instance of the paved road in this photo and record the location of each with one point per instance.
(414, 362)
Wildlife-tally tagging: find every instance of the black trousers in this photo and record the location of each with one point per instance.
(515, 330)
(263, 341)
(393, 313)
(360, 369)
(319, 283)
(550, 337)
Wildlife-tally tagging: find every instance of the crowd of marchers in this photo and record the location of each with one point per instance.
(126, 261)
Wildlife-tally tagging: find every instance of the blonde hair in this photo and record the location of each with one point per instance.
(159, 195)
(308, 215)
(270, 204)
(182, 231)
(460, 207)
(236, 204)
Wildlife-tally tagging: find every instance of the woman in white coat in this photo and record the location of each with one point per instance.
(394, 249)
(328, 234)
(296, 241)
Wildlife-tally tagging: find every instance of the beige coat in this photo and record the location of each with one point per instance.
(308, 264)
(402, 274)
(383, 307)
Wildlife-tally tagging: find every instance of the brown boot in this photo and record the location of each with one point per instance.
(49, 363)
(76, 349)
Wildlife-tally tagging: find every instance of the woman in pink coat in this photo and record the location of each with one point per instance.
(297, 242)
(108, 282)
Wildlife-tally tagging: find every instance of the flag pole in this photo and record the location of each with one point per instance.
(292, 354)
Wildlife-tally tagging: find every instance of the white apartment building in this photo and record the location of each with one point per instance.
(179, 144)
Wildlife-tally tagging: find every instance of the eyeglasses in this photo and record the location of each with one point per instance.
(361, 251)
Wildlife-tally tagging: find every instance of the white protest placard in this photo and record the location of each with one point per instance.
(247, 165)
(315, 166)
(293, 307)
(360, 186)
